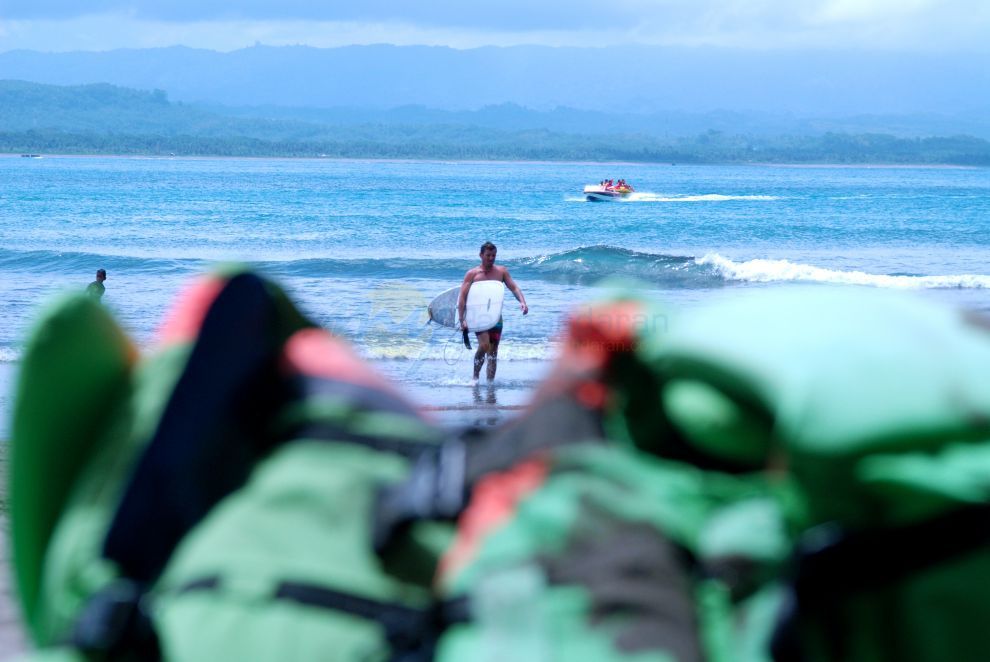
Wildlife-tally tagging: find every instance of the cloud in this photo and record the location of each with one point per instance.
(488, 14)
(855, 11)
(910, 25)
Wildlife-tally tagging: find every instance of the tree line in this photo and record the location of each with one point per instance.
(462, 143)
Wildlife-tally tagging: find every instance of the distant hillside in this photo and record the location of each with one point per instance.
(104, 107)
(664, 124)
(634, 79)
(100, 107)
(104, 119)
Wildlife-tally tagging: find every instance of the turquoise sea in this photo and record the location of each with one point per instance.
(364, 245)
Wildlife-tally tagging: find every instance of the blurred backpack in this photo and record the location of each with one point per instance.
(806, 476)
(214, 500)
(795, 474)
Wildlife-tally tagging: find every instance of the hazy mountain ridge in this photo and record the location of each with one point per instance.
(634, 79)
(103, 107)
(104, 119)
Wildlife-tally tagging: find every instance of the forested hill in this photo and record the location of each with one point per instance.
(107, 109)
(100, 107)
(105, 119)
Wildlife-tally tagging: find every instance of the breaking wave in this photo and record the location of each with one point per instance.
(591, 264)
(769, 271)
(586, 265)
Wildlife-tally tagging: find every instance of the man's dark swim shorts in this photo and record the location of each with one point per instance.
(494, 333)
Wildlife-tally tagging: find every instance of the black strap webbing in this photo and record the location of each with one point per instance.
(440, 482)
(114, 625)
(830, 563)
(407, 629)
(211, 432)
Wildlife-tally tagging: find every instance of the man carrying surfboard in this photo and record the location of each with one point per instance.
(488, 339)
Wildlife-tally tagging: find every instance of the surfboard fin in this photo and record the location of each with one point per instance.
(467, 340)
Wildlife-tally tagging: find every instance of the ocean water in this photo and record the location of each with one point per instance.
(363, 246)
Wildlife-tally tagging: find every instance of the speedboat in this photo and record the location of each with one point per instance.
(599, 193)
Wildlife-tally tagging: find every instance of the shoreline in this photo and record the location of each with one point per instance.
(13, 635)
(535, 162)
(452, 407)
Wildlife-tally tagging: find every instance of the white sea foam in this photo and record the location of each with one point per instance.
(646, 196)
(457, 381)
(453, 351)
(9, 355)
(768, 271)
(708, 197)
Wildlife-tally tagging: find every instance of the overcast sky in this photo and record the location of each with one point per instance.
(950, 26)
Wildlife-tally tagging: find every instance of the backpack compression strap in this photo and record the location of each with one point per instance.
(213, 430)
(830, 565)
(115, 623)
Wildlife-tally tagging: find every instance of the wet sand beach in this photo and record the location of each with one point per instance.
(12, 637)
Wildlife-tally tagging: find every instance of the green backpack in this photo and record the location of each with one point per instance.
(791, 474)
(613, 546)
(796, 475)
(213, 501)
(877, 405)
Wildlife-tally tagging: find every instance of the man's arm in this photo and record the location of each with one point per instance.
(462, 297)
(516, 292)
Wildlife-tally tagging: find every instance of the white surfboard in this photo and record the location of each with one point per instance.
(484, 306)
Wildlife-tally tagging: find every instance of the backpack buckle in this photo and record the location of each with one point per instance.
(434, 490)
(113, 620)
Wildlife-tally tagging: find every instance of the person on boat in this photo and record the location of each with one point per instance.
(97, 288)
(489, 339)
